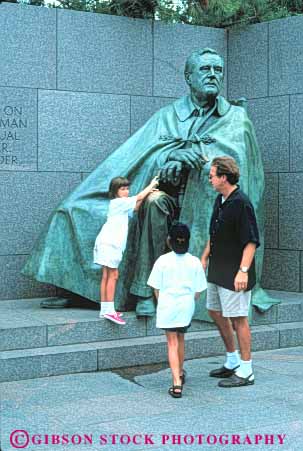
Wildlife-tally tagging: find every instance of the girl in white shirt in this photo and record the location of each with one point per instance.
(111, 240)
(177, 278)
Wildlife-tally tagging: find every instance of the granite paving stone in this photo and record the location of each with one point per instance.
(65, 388)
(202, 419)
(47, 405)
(197, 375)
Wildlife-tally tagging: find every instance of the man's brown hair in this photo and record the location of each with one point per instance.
(227, 166)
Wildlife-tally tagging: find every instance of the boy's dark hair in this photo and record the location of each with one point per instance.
(179, 235)
(227, 166)
(115, 184)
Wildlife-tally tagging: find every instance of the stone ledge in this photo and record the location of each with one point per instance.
(291, 334)
(55, 360)
(24, 325)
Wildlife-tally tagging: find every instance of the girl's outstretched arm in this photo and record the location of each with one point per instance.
(149, 189)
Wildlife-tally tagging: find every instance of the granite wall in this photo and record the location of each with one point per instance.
(73, 86)
(265, 64)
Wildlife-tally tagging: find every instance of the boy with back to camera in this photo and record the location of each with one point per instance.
(177, 278)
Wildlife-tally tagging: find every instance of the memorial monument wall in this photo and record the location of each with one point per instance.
(75, 85)
(265, 64)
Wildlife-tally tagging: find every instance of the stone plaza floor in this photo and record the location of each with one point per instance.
(130, 409)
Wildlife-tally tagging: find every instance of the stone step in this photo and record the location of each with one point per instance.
(110, 354)
(24, 325)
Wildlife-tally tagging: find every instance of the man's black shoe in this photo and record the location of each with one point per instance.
(223, 372)
(237, 381)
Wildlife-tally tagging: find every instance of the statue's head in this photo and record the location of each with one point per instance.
(204, 73)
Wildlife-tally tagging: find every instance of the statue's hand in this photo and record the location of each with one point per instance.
(170, 172)
(192, 158)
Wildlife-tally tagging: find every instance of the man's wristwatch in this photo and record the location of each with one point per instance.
(243, 269)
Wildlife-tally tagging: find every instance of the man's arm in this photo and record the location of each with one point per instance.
(241, 279)
(156, 293)
(205, 255)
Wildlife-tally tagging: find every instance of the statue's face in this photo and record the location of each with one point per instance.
(206, 77)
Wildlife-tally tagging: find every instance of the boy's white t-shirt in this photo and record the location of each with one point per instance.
(177, 277)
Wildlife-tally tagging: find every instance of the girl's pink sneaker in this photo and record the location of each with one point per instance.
(115, 318)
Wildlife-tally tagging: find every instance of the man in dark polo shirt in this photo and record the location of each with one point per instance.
(229, 255)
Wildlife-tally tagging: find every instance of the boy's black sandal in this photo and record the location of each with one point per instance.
(173, 391)
(182, 377)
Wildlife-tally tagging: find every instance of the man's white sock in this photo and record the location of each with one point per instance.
(245, 369)
(232, 360)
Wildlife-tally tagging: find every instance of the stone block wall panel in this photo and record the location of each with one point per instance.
(281, 270)
(296, 133)
(270, 117)
(290, 211)
(103, 53)
(247, 62)
(79, 130)
(271, 208)
(27, 200)
(28, 46)
(286, 56)
(13, 285)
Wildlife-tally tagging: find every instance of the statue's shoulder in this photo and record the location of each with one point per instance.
(241, 102)
(238, 109)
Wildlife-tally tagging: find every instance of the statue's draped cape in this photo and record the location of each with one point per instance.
(63, 255)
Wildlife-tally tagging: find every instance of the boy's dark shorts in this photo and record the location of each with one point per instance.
(181, 330)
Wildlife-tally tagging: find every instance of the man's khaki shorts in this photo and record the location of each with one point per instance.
(231, 303)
